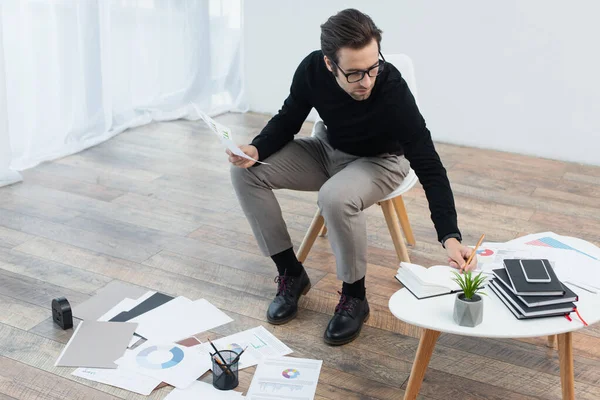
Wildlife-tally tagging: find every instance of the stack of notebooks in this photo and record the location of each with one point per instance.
(526, 299)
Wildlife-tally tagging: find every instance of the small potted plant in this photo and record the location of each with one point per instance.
(468, 304)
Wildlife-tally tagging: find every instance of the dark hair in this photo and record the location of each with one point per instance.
(348, 28)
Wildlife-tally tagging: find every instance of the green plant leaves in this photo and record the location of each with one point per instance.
(469, 285)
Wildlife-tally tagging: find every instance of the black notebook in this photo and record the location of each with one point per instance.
(524, 288)
(536, 301)
(526, 311)
(495, 288)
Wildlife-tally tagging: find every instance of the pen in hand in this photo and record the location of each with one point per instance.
(473, 253)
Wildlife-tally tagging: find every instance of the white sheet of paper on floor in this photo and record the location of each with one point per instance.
(284, 378)
(260, 344)
(202, 390)
(121, 378)
(176, 365)
(178, 319)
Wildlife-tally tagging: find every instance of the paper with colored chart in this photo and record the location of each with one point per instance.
(554, 241)
(284, 378)
(176, 365)
(572, 266)
(258, 342)
(225, 136)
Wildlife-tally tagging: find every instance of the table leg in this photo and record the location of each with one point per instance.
(565, 354)
(426, 345)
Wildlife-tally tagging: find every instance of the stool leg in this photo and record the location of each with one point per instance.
(392, 223)
(309, 239)
(551, 339)
(403, 216)
(323, 231)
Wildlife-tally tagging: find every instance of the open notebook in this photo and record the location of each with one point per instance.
(428, 282)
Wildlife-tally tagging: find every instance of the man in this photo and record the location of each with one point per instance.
(371, 135)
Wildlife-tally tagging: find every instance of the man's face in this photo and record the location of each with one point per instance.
(352, 60)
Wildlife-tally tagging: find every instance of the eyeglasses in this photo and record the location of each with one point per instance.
(357, 76)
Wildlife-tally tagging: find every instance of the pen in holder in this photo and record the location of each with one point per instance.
(225, 369)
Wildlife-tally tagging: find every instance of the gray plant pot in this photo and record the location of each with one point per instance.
(468, 312)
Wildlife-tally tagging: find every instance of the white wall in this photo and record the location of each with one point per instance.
(514, 75)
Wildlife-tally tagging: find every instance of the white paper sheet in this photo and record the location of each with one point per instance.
(121, 378)
(133, 341)
(260, 344)
(176, 365)
(178, 319)
(552, 240)
(202, 390)
(225, 136)
(285, 378)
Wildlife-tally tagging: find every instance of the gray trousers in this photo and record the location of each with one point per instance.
(346, 184)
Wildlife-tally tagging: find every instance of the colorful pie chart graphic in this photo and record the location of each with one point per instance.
(290, 373)
(154, 357)
(235, 347)
(485, 252)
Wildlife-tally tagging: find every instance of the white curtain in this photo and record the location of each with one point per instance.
(74, 73)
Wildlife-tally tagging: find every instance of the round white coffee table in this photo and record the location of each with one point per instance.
(435, 316)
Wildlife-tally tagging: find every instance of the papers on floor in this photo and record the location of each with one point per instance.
(260, 344)
(285, 378)
(178, 319)
(150, 301)
(202, 390)
(96, 344)
(176, 365)
(225, 136)
(121, 378)
(105, 299)
(124, 305)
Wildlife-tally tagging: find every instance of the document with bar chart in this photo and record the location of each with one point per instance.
(285, 378)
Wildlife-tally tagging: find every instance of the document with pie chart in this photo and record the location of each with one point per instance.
(285, 378)
(176, 365)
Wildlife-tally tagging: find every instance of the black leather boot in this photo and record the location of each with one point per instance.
(346, 323)
(284, 306)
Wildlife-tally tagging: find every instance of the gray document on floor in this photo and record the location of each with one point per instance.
(105, 299)
(96, 344)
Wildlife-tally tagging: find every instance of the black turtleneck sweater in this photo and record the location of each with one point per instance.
(388, 121)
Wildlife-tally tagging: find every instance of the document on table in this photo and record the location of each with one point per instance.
(285, 378)
(552, 240)
(258, 342)
(570, 266)
(225, 136)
